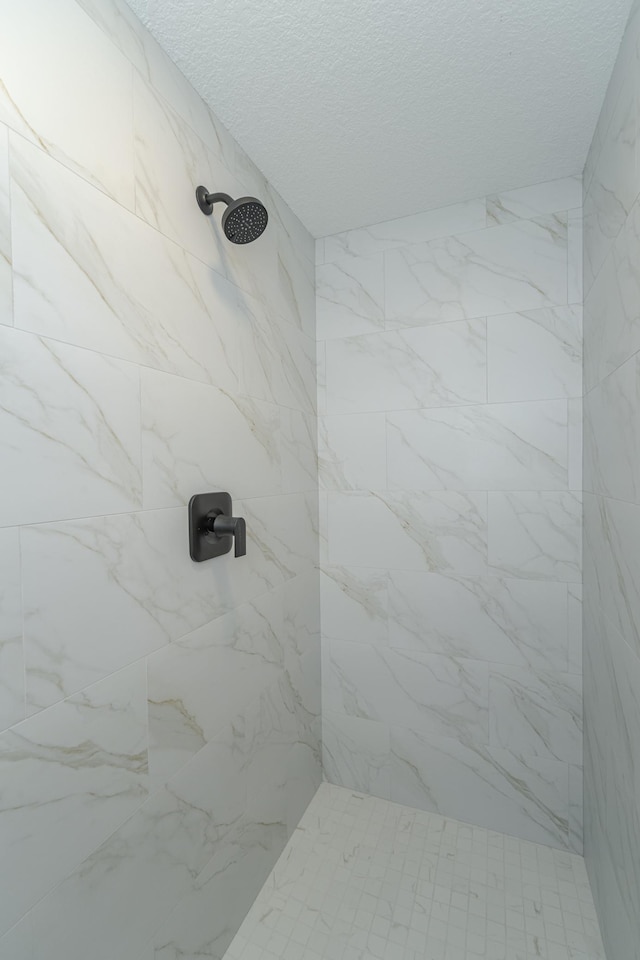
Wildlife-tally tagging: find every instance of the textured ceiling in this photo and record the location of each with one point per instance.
(364, 110)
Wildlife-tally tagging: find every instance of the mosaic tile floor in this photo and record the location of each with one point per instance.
(365, 879)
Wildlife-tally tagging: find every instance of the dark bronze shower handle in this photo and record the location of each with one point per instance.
(224, 526)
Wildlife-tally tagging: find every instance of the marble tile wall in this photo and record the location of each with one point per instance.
(450, 458)
(612, 505)
(159, 719)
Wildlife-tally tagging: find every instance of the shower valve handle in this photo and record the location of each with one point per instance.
(222, 526)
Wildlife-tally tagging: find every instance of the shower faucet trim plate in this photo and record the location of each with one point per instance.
(212, 528)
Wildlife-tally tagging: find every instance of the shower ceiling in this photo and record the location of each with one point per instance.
(364, 110)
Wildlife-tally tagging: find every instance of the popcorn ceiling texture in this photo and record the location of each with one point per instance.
(364, 111)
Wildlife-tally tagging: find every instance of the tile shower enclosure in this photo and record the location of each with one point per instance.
(160, 721)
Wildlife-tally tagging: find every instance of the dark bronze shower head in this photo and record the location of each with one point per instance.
(243, 221)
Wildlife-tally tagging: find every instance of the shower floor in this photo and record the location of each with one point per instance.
(363, 878)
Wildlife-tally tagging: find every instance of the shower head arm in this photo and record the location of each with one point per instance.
(219, 198)
(206, 200)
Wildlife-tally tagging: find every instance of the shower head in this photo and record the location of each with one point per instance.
(244, 220)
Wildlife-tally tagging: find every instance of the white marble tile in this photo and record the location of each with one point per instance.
(321, 377)
(436, 366)
(170, 162)
(612, 555)
(354, 604)
(17, 943)
(574, 614)
(612, 826)
(350, 297)
(206, 919)
(133, 39)
(197, 438)
(199, 683)
(527, 203)
(147, 300)
(298, 442)
(492, 447)
(282, 538)
(535, 355)
(611, 434)
(291, 374)
(535, 714)
(611, 332)
(576, 806)
(536, 535)
(575, 291)
(70, 777)
(613, 187)
(150, 861)
(517, 622)
(574, 443)
(103, 592)
(352, 452)
(81, 68)
(484, 785)
(301, 612)
(70, 431)
(434, 694)
(12, 687)
(6, 279)
(356, 753)
(418, 228)
(295, 290)
(443, 531)
(518, 266)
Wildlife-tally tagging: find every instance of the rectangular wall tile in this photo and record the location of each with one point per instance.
(536, 535)
(12, 691)
(6, 279)
(197, 438)
(71, 776)
(70, 431)
(435, 366)
(611, 435)
(517, 622)
(352, 452)
(614, 186)
(487, 447)
(350, 297)
(611, 304)
(528, 799)
(97, 144)
(148, 301)
(418, 228)
(356, 753)
(199, 682)
(535, 355)
(527, 203)
(612, 554)
(354, 604)
(574, 253)
(444, 531)
(439, 695)
(536, 714)
(126, 582)
(518, 266)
